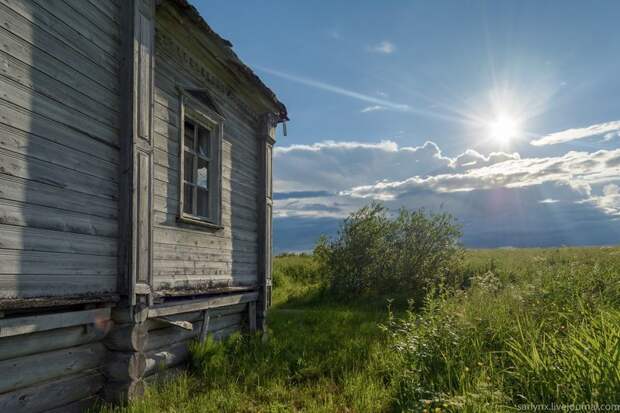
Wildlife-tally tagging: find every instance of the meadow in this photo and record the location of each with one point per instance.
(521, 329)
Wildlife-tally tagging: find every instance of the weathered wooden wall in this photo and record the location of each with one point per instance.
(52, 361)
(59, 118)
(187, 256)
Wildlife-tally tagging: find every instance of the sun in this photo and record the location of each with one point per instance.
(503, 128)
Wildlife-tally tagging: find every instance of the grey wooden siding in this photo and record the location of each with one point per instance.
(59, 140)
(187, 256)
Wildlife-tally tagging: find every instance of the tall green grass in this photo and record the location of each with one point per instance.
(531, 326)
(518, 326)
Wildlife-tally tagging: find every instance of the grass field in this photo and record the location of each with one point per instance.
(525, 326)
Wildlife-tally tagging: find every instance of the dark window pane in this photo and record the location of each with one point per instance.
(203, 202)
(188, 199)
(189, 135)
(204, 138)
(202, 179)
(188, 172)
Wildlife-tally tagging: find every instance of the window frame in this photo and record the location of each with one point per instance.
(201, 115)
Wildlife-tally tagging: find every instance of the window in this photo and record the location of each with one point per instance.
(200, 160)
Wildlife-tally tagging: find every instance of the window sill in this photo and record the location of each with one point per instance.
(194, 221)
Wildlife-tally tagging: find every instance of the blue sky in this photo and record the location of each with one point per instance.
(504, 113)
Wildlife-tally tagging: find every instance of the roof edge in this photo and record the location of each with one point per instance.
(194, 15)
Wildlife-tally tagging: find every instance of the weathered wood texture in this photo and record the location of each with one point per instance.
(27, 344)
(187, 256)
(59, 147)
(29, 370)
(52, 394)
(32, 324)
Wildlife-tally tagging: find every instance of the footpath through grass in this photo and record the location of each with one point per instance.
(526, 327)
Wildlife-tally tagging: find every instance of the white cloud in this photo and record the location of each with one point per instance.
(373, 108)
(501, 198)
(384, 47)
(611, 135)
(577, 133)
(608, 201)
(576, 169)
(549, 201)
(384, 145)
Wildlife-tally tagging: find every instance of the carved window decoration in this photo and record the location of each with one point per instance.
(200, 147)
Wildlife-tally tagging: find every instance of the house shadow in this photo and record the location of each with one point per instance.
(59, 153)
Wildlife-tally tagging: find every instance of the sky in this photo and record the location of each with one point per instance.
(502, 113)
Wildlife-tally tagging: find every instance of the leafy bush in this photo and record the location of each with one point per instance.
(374, 253)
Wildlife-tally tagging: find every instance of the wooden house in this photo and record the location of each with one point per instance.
(135, 196)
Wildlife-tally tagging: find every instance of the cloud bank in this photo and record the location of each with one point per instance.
(500, 198)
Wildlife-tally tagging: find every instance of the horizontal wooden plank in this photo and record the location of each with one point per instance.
(48, 24)
(189, 253)
(37, 216)
(109, 8)
(65, 95)
(42, 42)
(58, 68)
(25, 325)
(186, 285)
(33, 239)
(93, 17)
(156, 324)
(194, 267)
(232, 228)
(35, 102)
(169, 73)
(14, 164)
(200, 304)
(199, 238)
(28, 122)
(38, 193)
(169, 357)
(232, 218)
(44, 341)
(33, 146)
(51, 394)
(50, 263)
(160, 339)
(36, 368)
(22, 286)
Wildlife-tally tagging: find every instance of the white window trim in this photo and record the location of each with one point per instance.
(204, 116)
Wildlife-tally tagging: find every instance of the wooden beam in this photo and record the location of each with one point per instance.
(52, 394)
(24, 325)
(43, 341)
(166, 358)
(200, 304)
(26, 371)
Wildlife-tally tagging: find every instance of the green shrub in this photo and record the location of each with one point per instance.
(375, 254)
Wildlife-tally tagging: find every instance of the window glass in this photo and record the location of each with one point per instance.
(188, 198)
(204, 142)
(189, 135)
(200, 156)
(202, 173)
(202, 202)
(188, 168)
